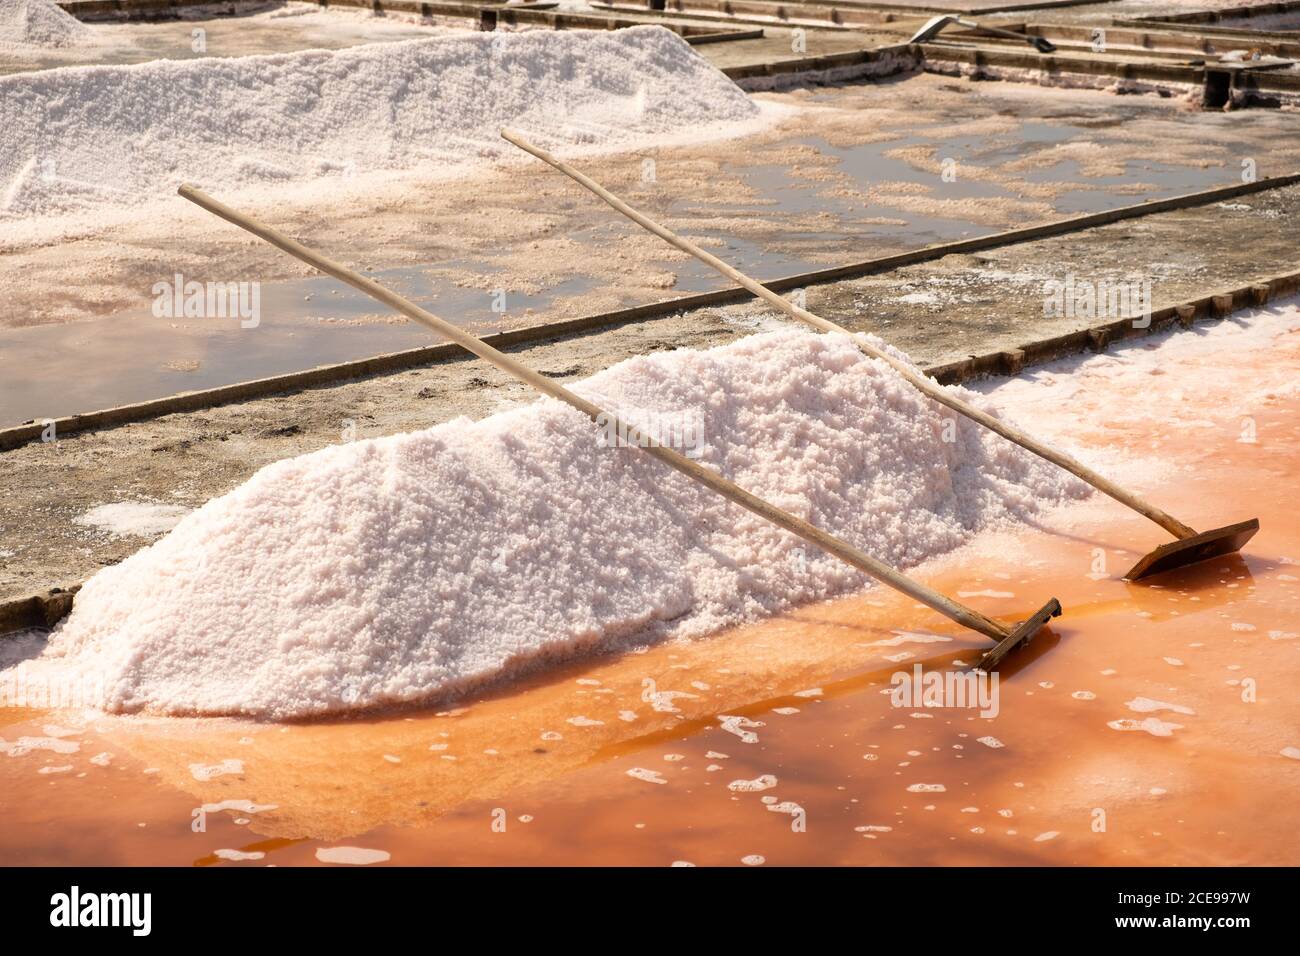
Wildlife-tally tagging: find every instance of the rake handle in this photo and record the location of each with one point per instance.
(967, 617)
(930, 388)
(995, 31)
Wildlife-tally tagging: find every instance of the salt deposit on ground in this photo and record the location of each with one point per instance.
(403, 567)
(86, 136)
(39, 23)
(133, 518)
(1047, 400)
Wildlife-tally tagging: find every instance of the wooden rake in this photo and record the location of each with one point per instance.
(1006, 637)
(1190, 547)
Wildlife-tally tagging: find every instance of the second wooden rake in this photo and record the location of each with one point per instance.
(1191, 545)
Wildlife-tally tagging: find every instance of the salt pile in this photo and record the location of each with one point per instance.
(410, 566)
(39, 23)
(81, 136)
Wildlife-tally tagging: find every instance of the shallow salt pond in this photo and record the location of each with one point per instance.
(318, 320)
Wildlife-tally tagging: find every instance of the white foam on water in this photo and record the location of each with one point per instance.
(1152, 725)
(909, 637)
(762, 782)
(649, 776)
(352, 855)
(661, 701)
(1145, 705)
(397, 569)
(25, 745)
(87, 136)
(242, 806)
(205, 772)
(737, 724)
(238, 854)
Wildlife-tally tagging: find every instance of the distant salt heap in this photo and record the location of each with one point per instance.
(39, 23)
(83, 136)
(405, 567)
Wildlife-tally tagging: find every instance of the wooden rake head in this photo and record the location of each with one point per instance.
(1022, 633)
(1193, 549)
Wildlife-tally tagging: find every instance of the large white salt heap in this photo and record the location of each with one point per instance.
(39, 23)
(81, 136)
(406, 567)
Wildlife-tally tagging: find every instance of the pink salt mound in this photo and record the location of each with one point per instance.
(413, 566)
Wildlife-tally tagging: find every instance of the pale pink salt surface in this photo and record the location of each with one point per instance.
(39, 23)
(87, 136)
(1066, 401)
